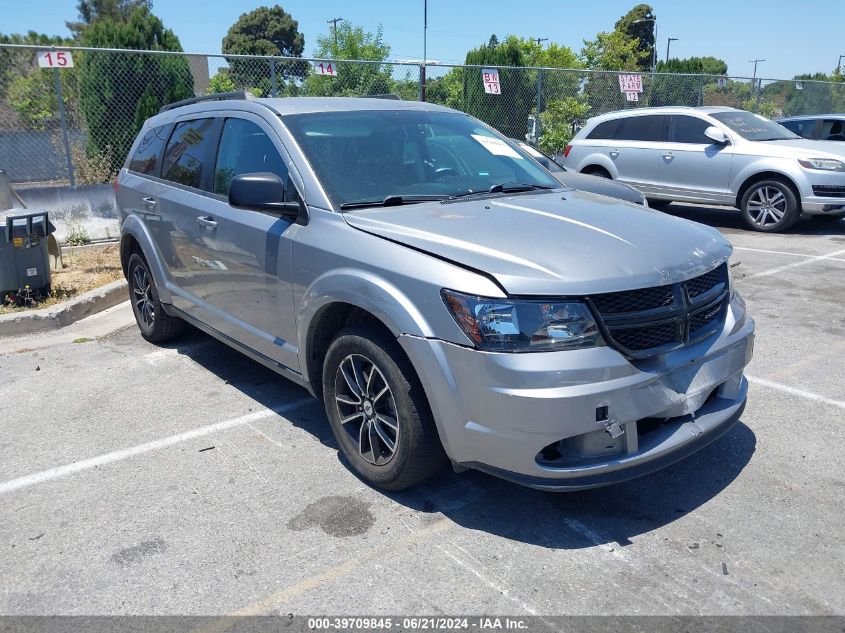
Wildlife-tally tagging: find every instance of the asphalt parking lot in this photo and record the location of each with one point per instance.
(187, 479)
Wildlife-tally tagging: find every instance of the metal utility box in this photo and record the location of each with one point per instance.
(24, 261)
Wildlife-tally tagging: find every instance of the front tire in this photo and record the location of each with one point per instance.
(770, 206)
(378, 411)
(156, 326)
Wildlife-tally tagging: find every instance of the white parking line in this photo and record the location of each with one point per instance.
(795, 392)
(763, 250)
(140, 449)
(803, 262)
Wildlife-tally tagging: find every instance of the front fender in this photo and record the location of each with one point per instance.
(135, 227)
(779, 166)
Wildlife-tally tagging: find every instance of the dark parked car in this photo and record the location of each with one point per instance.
(584, 182)
(820, 127)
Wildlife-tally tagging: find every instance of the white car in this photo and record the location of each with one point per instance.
(715, 155)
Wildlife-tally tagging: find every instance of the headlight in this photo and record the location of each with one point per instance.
(502, 325)
(826, 164)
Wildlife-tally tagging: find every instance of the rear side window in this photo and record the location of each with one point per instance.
(833, 130)
(605, 130)
(688, 129)
(146, 157)
(186, 152)
(245, 149)
(642, 128)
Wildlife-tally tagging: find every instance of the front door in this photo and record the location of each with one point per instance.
(246, 255)
(692, 167)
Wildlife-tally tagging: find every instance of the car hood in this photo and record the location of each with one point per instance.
(805, 147)
(555, 243)
(595, 184)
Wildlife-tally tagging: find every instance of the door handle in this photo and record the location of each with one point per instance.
(668, 156)
(614, 153)
(149, 202)
(207, 222)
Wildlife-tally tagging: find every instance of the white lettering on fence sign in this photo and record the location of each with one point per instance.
(631, 83)
(325, 68)
(55, 59)
(490, 76)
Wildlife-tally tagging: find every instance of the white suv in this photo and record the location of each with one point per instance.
(717, 156)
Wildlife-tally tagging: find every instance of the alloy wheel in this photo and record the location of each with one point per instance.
(367, 409)
(767, 206)
(142, 289)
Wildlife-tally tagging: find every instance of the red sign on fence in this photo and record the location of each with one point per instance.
(490, 76)
(631, 83)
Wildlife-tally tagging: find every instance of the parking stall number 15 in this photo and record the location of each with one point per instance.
(55, 59)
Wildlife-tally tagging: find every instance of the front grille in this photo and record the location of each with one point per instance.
(645, 322)
(829, 191)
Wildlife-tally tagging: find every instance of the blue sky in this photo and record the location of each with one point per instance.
(792, 37)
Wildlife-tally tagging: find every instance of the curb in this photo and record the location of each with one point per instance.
(58, 316)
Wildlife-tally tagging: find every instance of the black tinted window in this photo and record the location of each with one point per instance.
(605, 130)
(802, 128)
(146, 156)
(689, 129)
(245, 149)
(187, 151)
(833, 130)
(642, 128)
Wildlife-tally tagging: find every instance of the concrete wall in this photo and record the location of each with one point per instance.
(90, 208)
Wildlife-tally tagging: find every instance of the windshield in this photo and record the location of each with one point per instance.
(372, 155)
(754, 127)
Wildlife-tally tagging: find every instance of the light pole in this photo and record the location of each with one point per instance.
(425, 53)
(654, 45)
(334, 22)
(669, 41)
(839, 65)
(754, 61)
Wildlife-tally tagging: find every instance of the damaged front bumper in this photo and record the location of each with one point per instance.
(583, 418)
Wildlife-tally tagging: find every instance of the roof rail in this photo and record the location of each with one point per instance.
(391, 95)
(217, 96)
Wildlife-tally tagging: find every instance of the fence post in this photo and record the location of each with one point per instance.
(537, 124)
(422, 81)
(273, 88)
(57, 83)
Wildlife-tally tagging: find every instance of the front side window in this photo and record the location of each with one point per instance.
(753, 127)
(364, 155)
(833, 130)
(187, 151)
(145, 158)
(688, 129)
(245, 149)
(803, 128)
(648, 128)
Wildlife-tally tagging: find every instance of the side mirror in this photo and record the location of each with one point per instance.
(716, 135)
(262, 192)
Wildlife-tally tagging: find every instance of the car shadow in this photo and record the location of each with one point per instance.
(729, 220)
(612, 515)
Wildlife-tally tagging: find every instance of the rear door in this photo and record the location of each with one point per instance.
(636, 149)
(692, 167)
(245, 256)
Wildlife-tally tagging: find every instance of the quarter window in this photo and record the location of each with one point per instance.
(689, 129)
(245, 149)
(647, 128)
(834, 130)
(605, 130)
(145, 158)
(187, 151)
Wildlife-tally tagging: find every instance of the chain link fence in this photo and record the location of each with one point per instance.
(74, 125)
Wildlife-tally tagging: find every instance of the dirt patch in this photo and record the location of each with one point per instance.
(84, 270)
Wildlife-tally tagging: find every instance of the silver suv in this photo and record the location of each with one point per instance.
(716, 156)
(443, 295)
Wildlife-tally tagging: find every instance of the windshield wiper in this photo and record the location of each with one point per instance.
(391, 201)
(504, 188)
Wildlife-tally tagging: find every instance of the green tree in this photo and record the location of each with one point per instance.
(638, 24)
(352, 79)
(221, 82)
(264, 31)
(92, 10)
(613, 51)
(119, 90)
(447, 90)
(558, 122)
(686, 86)
(552, 84)
(508, 112)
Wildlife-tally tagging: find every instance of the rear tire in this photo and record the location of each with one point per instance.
(770, 206)
(378, 411)
(156, 326)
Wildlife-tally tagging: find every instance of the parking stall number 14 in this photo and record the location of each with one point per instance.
(325, 68)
